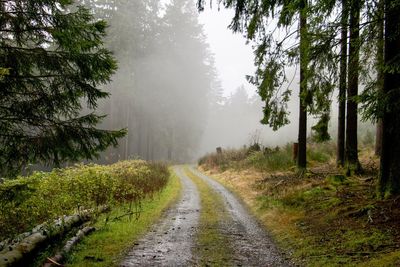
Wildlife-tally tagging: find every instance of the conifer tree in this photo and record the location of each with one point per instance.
(351, 151)
(273, 55)
(55, 60)
(340, 153)
(389, 181)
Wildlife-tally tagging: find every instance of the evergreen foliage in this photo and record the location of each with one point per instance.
(56, 61)
(327, 25)
(165, 78)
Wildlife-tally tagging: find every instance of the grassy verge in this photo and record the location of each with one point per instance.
(266, 159)
(323, 218)
(42, 197)
(107, 246)
(212, 246)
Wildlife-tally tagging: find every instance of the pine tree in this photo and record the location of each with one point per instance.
(340, 155)
(389, 182)
(380, 54)
(304, 50)
(55, 60)
(273, 55)
(351, 152)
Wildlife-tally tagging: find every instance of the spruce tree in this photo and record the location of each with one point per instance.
(55, 64)
(389, 181)
(273, 55)
(380, 54)
(340, 155)
(304, 50)
(351, 152)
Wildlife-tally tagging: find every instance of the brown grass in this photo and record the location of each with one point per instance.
(323, 218)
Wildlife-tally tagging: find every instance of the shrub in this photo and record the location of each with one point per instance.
(29, 201)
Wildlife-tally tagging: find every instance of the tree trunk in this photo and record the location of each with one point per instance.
(19, 251)
(60, 256)
(380, 79)
(342, 87)
(378, 138)
(302, 140)
(352, 93)
(389, 177)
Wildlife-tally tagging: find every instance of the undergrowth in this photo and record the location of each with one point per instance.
(322, 218)
(42, 197)
(265, 158)
(108, 245)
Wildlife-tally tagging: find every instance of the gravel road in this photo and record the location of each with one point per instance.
(171, 241)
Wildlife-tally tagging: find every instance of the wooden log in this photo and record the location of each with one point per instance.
(59, 257)
(17, 249)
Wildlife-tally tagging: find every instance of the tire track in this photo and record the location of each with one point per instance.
(170, 242)
(252, 245)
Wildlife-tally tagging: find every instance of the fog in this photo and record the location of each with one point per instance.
(180, 89)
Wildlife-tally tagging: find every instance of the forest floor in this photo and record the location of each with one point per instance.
(322, 218)
(208, 226)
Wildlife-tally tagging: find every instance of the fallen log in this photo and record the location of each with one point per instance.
(59, 257)
(16, 250)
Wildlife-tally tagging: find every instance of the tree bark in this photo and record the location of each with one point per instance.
(389, 177)
(352, 90)
(380, 79)
(18, 250)
(378, 138)
(302, 138)
(59, 257)
(342, 87)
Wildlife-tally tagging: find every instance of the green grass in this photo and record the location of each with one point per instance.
(391, 259)
(266, 159)
(108, 245)
(321, 152)
(212, 247)
(272, 161)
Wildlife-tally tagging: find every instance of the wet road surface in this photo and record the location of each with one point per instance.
(171, 241)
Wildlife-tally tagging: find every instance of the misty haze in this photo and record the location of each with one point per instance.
(199, 133)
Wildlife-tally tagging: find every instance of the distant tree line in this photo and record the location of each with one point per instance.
(336, 45)
(165, 81)
(59, 77)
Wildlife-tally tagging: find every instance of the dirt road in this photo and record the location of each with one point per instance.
(172, 242)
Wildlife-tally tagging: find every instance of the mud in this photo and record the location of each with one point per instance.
(170, 242)
(252, 246)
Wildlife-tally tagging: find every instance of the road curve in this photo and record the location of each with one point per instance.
(252, 245)
(170, 242)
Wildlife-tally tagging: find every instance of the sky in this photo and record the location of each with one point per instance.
(233, 58)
